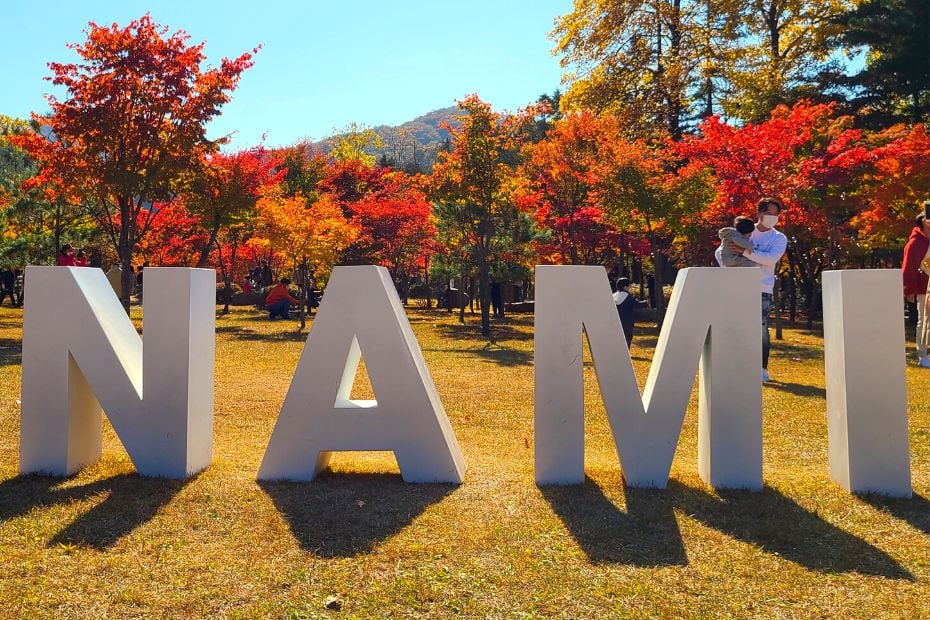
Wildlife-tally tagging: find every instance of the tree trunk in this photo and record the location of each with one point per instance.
(461, 301)
(777, 303)
(658, 262)
(429, 291)
(809, 324)
(205, 250)
(302, 296)
(127, 278)
(484, 288)
(57, 229)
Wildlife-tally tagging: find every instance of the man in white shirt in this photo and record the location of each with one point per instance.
(768, 246)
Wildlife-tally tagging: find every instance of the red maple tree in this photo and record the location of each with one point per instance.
(132, 122)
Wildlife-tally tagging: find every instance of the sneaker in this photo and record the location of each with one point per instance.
(766, 378)
(924, 362)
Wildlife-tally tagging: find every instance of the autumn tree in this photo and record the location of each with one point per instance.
(643, 194)
(810, 157)
(557, 185)
(472, 188)
(40, 211)
(302, 169)
(223, 190)
(311, 236)
(786, 48)
(353, 143)
(174, 238)
(661, 63)
(133, 120)
(394, 225)
(647, 60)
(894, 83)
(898, 181)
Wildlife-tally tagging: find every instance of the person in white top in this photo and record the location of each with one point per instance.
(768, 246)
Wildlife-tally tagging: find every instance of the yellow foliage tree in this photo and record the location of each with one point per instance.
(305, 234)
(352, 143)
(786, 44)
(311, 236)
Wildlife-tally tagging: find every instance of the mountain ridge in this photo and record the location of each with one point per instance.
(411, 146)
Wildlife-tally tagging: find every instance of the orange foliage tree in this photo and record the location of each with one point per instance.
(558, 180)
(132, 122)
(224, 189)
(846, 191)
(394, 225)
(311, 236)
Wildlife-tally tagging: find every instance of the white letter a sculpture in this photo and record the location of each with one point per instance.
(361, 312)
(81, 353)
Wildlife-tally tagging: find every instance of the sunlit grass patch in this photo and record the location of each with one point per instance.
(106, 543)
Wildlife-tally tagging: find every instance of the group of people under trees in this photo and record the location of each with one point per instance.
(68, 256)
(748, 243)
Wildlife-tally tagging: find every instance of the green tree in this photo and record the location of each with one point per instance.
(894, 85)
(36, 217)
(472, 187)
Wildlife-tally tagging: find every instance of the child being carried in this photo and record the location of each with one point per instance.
(738, 235)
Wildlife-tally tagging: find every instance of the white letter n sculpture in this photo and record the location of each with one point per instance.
(81, 353)
(361, 313)
(713, 322)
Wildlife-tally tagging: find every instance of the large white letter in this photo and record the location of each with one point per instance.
(79, 347)
(866, 388)
(361, 313)
(714, 316)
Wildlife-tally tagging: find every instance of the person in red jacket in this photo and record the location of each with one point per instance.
(66, 256)
(279, 300)
(914, 270)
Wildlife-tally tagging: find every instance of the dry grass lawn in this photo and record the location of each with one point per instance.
(106, 543)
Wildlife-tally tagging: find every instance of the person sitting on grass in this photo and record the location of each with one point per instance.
(279, 300)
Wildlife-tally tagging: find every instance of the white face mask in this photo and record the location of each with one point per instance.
(769, 221)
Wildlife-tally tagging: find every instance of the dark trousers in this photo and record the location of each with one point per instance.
(281, 308)
(627, 332)
(766, 338)
(12, 295)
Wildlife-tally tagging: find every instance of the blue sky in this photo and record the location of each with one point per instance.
(323, 64)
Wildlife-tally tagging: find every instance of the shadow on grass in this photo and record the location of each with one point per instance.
(343, 515)
(798, 389)
(130, 502)
(647, 533)
(11, 351)
(241, 333)
(777, 524)
(472, 331)
(501, 356)
(915, 511)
